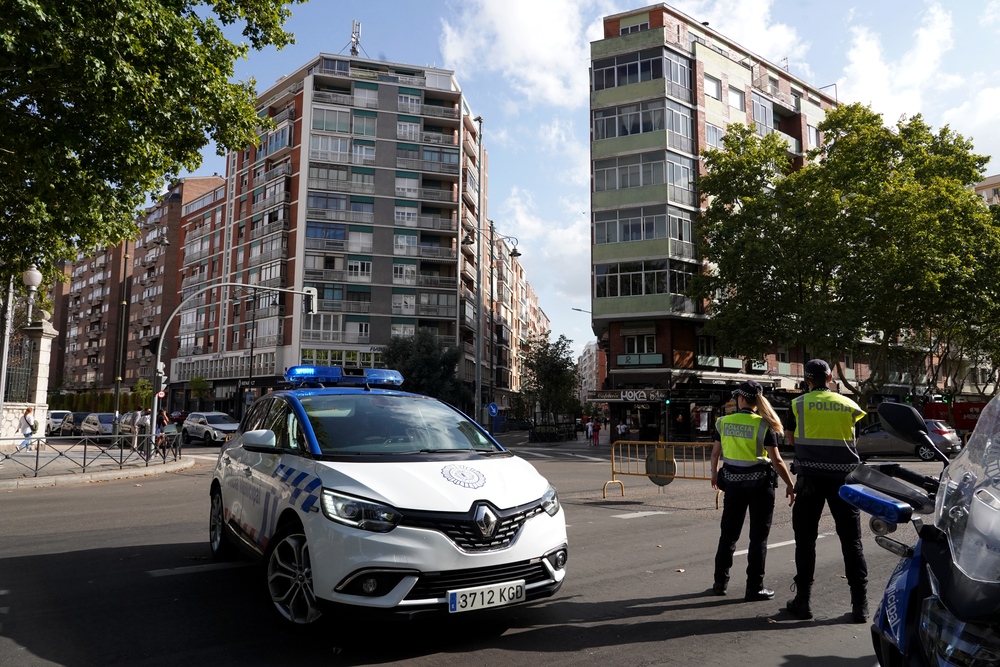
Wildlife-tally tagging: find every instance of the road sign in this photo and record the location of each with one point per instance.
(161, 394)
(494, 410)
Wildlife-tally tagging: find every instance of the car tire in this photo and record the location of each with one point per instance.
(185, 438)
(288, 576)
(219, 542)
(925, 453)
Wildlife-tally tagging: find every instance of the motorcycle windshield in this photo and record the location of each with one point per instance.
(967, 508)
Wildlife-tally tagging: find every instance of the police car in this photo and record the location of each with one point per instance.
(355, 493)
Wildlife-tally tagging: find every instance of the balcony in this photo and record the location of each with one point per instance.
(324, 275)
(199, 231)
(794, 145)
(427, 165)
(342, 158)
(437, 311)
(277, 281)
(430, 194)
(336, 185)
(284, 169)
(406, 309)
(328, 97)
(189, 351)
(437, 281)
(194, 254)
(425, 251)
(271, 202)
(269, 256)
(287, 114)
(267, 311)
(334, 337)
(426, 222)
(264, 230)
(269, 341)
(340, 306)
(200, 325)
(428, 110)
(681, 195)
(196, 279)
(339, 215)
(405, 280)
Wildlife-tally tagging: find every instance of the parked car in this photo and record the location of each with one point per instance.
(54, 420)
(125, 423)
(378, 500)
(179, 416)
(70, 425)
(98, 425)
(873, 440)
(208, 427)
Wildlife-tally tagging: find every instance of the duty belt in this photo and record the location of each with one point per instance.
(745, 476)
(833, 467)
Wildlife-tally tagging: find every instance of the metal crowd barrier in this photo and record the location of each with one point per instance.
(661, 462)
(56, 455)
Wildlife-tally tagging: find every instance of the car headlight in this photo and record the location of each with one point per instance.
(550, 501)
(363, 514)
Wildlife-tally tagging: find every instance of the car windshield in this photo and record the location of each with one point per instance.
(220, 419)
(106, 419)
(371, 423)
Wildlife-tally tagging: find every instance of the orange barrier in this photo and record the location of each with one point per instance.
(661, 462)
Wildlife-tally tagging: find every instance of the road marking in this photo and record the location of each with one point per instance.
(194, 569)
(587, 458)
(538, 454)
(635, 515)
(203, 457)
(743, 552)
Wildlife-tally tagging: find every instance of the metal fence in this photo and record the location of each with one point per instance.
(19, 369)
(661, 462)
(43, 455)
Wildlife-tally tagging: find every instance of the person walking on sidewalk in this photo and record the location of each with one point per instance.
(821, 426)
(748, 477)
(597, 433)
(27, 426)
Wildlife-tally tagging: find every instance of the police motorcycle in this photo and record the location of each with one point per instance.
(941, 606)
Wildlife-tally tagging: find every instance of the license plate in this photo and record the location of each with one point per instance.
(481, 597)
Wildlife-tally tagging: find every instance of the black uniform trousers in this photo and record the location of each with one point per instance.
(759, 500)
(811, 492)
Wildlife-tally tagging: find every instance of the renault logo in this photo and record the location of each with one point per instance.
(486, 520)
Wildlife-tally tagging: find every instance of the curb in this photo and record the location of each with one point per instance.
(88, 477)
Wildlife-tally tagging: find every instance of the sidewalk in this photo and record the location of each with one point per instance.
(57, 466)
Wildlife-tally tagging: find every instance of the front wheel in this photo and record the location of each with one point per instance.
(926, 453)
(218, 541)
(288, 571)
(185, 438)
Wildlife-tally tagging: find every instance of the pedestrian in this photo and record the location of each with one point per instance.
(747, 443)
(597, 433)
(590, 431)
(821, 426)
(146, 426)
(27, 426)
(134, 417)
(161, 425)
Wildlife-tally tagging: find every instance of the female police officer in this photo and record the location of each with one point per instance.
(748, 479)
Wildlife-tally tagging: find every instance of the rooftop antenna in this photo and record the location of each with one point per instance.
(355, 37)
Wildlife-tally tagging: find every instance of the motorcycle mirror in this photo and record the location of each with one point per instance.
(904, 422)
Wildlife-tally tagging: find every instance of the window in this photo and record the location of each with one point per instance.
(404, 304)
(407, 187)
(359, 269)
(327, 174)
(363, 154)
(329, 149)
(365, 97)
(782, 355)
(640, 344)
(763, 114)
(631, 278)
(406, 215)
(327, 200)
(706, 346)
(626, 30)
(713, 135)
(331, 120)
(628, 68)
(634, 119)
(813, 136)
(408, 130)
(404, 330)
(713, 87)
(630, 171)
(404, 274)
(737, 99)
(401, 242)
(364, 125)
(409, 102)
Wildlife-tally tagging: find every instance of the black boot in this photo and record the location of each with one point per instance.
(859, 604)
(799, 606)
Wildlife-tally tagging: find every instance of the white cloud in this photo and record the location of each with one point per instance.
(977, 119)
(517, 38)
(990, 16)
(904, 85)
(561, 139)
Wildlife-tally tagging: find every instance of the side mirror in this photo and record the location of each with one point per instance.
(261, 440)
(902, 421)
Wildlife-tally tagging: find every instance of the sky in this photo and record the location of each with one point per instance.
(523, 66)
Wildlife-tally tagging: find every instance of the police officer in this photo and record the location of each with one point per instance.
(748, 479)
(821, 426)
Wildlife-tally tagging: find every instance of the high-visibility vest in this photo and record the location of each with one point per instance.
(824, 433)
(742, 436)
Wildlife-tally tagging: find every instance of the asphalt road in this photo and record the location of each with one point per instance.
(119, 573)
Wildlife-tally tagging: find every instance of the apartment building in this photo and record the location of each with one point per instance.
(365, 188)
(664, 86)
(592, 370)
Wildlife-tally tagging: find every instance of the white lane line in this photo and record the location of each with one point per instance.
(203, 457)
(587, 458)
(539, 455)
(743, 552)
(636, 515)
(194, 569)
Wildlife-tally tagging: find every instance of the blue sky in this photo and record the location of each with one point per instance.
(523, 66)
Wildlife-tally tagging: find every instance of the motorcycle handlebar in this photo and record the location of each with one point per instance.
(925, 482)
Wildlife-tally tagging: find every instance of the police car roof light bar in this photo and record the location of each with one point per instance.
(332, 376)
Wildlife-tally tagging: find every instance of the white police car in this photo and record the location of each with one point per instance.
(359, 494)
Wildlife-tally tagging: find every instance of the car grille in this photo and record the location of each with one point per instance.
(435, 585)
(463, 531)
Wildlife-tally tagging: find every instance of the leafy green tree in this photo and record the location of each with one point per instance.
(549, 376)
(873, 248)
(427, 366)
(200, 389)
(101, 102)
(143, 391)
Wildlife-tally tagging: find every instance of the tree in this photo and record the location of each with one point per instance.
(107, 100)
(427, 366)
(143, 390)
(872, 248)
(200, 388)
(549, 376)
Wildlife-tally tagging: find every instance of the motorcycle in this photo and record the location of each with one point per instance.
(941, 606)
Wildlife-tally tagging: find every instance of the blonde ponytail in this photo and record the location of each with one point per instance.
(765, 410)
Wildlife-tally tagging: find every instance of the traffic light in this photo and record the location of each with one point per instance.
(908, 398)
(666, 398)
(161, 372)
(310, 300)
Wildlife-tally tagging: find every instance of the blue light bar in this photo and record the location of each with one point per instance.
(338, 376)
(876, 503)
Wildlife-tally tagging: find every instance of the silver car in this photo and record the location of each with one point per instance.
(208, 427)
(873, 440)
(53, 420)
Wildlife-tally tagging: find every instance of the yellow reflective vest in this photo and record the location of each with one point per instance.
(741, 435)
(824, 433)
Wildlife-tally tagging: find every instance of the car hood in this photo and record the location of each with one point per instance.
(225, 428)
(440, 485)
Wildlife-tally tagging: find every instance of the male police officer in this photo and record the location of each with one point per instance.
(821, 426)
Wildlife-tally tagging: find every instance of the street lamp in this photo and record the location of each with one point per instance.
(581, 310)
(514, 253)
(31, 278)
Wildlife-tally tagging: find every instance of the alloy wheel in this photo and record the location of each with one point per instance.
(289, 580)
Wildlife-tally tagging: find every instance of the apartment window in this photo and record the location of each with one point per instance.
(681, 275)
(706, 346)
(408, 130)
(403, 241)
(327, 200)
(364, 125)
(630, 171)
(404, 273)
(713, 135)
(357, 268)
(627, 69)
(404, 304)
(781, 354)
(365, 97)
(406, 215)
(631, 278)
(737, 99)
(331, 120)
(627, 30)
(329, 149)
(640, 344)
(325, 173)
(363, 153)
(404, 330)
(640, 118)
(813, 136)
(409, 102)
(763, 115)
(407, 187)
(713, 87)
